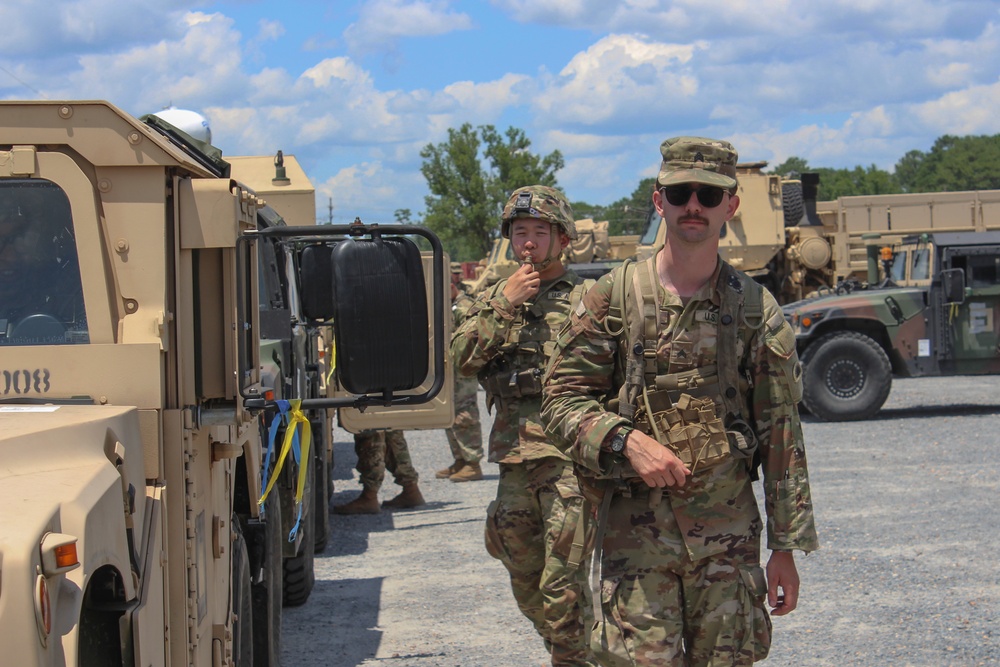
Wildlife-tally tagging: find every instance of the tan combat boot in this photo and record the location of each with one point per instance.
(366, 503)
(450, 470)
(470, 472)
(409, 497)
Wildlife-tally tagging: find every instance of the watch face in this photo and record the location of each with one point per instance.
(618, 443)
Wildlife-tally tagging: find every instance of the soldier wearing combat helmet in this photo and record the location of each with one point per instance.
(539, 525)
(465, 436)
(673, 379)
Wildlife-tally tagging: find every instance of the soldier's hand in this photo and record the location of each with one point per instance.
(655, 464)
(522, 285)
(782, 583)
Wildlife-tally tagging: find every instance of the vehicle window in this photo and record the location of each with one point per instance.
(921, 269)
(898, 270)
(41, 294)
(983, 271)
(652, 226)
(510, 252)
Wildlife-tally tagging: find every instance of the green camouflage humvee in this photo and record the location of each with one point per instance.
(935, 312)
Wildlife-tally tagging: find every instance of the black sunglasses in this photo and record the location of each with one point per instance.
(709, 196)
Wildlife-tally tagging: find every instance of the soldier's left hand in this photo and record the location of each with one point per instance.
(782, 576)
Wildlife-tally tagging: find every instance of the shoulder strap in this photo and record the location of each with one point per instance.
(741, 302)
(634, 322)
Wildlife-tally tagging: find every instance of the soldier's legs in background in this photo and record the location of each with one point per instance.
(724, 614)
(641, 596)
(466, 436)
(369, 446)
(398, 462)
(397, 458)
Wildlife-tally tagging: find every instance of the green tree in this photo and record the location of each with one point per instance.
(470, 176)
(629, 215)
(907, 169)
(793, 167)
(959, 163)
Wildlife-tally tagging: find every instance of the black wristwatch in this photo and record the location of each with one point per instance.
(619, 438)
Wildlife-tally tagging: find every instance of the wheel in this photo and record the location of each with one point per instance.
(792, 203)
(299, 576)
(846, 377)
(242, 601)
(322, 491)
(267, 593)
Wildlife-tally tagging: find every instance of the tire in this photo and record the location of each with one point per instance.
(322, 491)
(267, 593)
(792, 203)
(299, 576)
(846, 377)
(242, 601)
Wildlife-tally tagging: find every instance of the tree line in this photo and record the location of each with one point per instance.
(472, 173)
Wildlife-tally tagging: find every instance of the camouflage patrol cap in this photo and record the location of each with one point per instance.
(541, 202)
(698, 160)
(456, 267)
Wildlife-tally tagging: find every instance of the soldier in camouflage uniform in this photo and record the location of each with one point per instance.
(683, 349)
(465, 437)
(377, 452)
(538, 526)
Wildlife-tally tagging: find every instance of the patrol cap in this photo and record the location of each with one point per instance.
(456, 268)
(541, 202)
(698, 160)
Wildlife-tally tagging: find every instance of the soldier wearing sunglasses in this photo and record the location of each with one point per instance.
(672, 383)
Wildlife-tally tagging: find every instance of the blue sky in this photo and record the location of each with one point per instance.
(355, 89)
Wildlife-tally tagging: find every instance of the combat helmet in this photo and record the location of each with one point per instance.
(542, 202)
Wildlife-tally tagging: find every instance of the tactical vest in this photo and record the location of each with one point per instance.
(680, 410)
(516, 372)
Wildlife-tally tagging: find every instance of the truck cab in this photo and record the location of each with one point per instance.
(931, 309)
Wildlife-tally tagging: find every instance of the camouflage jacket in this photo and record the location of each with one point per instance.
(519, 339)
(716, 507)
(465, 387)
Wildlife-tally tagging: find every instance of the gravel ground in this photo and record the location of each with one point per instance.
(907, 572)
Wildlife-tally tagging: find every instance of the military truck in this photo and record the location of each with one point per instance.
(931, 307)
(160, 339)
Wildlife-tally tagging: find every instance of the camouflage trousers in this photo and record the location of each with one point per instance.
(378, 451)
(531, 528)
(465, 437)
(662, 608)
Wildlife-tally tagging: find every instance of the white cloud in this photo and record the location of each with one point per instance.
(382, 22)
(621, 77)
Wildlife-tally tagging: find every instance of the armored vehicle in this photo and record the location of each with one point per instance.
(164, 400)
(932, 309)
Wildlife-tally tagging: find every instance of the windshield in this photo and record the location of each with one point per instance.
(898, 269)
(41, 296)
(921, 264)
(652, 226)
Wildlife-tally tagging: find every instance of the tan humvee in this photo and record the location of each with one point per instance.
(157, 319)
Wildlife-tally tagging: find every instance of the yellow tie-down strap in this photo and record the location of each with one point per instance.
(291, 413)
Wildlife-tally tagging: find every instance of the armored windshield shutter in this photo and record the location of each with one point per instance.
(381, 315)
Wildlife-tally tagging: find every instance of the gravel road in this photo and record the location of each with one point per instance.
(907, 574)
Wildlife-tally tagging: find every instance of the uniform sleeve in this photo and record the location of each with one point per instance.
(484, 330)
(777, 389)
(579, 378)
